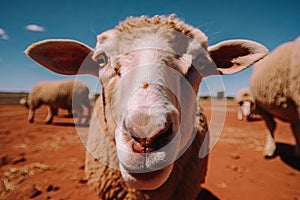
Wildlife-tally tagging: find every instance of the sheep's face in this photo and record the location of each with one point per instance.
(23, 101)
(150, 98)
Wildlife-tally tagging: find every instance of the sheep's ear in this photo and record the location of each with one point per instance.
(68, 57)
(232, 56)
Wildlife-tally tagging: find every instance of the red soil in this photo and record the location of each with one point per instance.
(42, 161)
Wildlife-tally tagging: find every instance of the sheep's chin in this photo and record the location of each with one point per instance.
(148, 180)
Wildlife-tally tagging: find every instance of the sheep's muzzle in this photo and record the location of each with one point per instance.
(155, 140)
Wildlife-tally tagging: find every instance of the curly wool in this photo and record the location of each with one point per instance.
(169, 22)
(275, 79)
(56, 93)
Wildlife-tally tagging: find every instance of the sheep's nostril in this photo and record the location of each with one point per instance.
(141, 141)
(152, 143)
(134, 136)
(162, 138)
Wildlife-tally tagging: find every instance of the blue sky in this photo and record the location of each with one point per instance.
(268, 22)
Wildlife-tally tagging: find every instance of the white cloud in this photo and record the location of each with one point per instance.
(3, 35)
(34, 27)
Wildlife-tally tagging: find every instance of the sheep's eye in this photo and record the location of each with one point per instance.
(102, 60)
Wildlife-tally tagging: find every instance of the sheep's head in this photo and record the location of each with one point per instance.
(23, 101)
(150, 70)
(145, 75)
(246, 101)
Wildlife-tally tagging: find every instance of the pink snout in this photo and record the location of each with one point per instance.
(151, 128)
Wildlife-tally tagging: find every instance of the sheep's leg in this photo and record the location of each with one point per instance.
(49, 117)
(296, 130)
(239, 113)
(79, 111)
(89, 109)
(270, 146)
(31, 115)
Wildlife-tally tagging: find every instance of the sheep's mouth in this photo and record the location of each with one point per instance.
(141, 163)
(148, 180)
(148, 175)
(145, 145)
(141, 157)
(147, 165)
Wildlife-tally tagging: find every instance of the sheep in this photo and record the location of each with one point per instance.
(58, 94)
(147, 128)
(275, 86)
(246, 104)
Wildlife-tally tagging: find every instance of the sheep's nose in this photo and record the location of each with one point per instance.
(150, 132)
(139, 117)
(153, 142)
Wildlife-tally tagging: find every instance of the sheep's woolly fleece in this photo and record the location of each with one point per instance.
(275, 78)
(65, 94)
(170, 22)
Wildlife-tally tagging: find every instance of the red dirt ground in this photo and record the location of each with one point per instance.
(39, 161)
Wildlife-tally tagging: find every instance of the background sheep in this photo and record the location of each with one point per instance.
(246, 105)
(275, 86)
(58, 94)
(146, 116)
